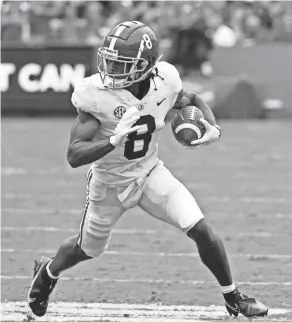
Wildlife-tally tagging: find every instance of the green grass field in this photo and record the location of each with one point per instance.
(242, 182)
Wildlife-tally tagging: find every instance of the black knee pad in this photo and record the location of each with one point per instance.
(202, 233)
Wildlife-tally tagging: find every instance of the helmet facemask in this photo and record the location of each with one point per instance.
(119, 71)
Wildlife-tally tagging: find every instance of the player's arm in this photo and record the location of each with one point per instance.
(83, 148)
(213, 131)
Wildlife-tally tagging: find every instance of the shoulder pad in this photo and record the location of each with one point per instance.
(84, 96)
(170, 74)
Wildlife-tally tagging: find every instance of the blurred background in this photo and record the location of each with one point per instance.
(87, 22)
(222, 49)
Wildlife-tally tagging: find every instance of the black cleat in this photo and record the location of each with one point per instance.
(249, 307)
(41, 288)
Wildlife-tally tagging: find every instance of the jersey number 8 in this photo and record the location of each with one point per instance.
(146, 137)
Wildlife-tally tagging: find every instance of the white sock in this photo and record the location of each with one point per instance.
(228, 289)
(49, 272)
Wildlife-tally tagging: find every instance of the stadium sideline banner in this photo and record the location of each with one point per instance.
(41, 79)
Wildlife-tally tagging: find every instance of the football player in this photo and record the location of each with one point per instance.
(121, 109)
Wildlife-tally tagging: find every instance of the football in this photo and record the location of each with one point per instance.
(186, 125)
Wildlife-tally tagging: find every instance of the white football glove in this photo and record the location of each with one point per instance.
(212, 134)
(124, 127)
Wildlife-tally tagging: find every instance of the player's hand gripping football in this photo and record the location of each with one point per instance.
(124, 127)
(212, 134)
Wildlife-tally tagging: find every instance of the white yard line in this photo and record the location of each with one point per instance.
(48, 211)
(73, 311)
(156, 254)
(148, 281)
(52, 229)
(72, 230)
(18, 317)
(41, 211)
(216, 199)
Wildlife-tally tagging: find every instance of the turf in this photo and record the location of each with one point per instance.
(242, 183)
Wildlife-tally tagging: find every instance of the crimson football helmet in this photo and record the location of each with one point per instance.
(129, 53)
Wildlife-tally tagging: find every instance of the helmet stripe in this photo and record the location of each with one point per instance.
(118, 32)
(141, 48)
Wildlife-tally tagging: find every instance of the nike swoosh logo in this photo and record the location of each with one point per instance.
(235, 307)
(158, 103)
(30, 300)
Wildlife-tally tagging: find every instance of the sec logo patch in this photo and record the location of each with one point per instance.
(119, 112)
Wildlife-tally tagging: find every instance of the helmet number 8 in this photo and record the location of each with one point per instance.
(147, 40)
(146, 137)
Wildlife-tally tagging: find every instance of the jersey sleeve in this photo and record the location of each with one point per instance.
(83, 97)
(171, 75)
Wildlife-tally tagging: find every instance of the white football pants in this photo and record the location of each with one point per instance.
(160, 194)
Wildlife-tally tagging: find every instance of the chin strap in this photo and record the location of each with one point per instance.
(152, 75)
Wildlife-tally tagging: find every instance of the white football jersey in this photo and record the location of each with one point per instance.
(140, 153)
